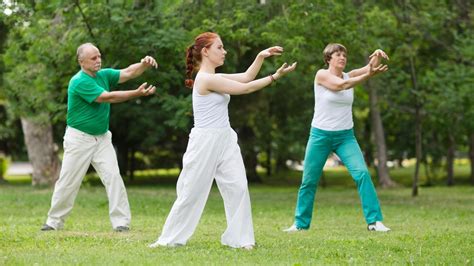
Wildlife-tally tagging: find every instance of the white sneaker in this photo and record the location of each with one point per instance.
(292, 229)
(378, 226)
(157, 244)
(248, 247)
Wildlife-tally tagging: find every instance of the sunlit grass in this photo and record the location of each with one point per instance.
(434, 228)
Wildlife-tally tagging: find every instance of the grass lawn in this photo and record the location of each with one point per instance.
(435, 228)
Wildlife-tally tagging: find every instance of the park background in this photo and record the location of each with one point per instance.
(415, 125)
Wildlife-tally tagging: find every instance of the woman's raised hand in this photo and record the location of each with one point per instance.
(284, 69)
(379, 53)
(376, 58)
(376, 70)
(275, 50)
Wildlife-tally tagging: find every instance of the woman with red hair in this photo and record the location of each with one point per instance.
(213, 151)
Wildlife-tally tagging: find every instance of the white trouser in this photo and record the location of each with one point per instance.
(211, 153)
(80, 150)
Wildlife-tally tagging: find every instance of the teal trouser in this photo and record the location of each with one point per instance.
(345, 145)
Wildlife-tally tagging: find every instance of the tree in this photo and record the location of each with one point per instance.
(35, 81)
(415, 21)
(374, 29)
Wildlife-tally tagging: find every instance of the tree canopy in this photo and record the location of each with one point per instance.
(424, 101)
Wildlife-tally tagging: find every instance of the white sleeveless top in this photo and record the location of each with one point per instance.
(211, 110)
(333, 109)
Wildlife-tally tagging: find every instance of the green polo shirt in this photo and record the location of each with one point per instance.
(83, 113)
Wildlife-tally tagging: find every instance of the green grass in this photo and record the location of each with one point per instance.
(435, 228)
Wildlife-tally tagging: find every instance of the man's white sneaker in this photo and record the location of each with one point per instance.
(292, 229)
(378, 226)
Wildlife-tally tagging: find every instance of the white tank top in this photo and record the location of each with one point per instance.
(211, 110)
(333, 109)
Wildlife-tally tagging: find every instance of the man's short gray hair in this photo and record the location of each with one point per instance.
(80, 49)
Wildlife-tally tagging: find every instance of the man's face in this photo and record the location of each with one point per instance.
(91, 60)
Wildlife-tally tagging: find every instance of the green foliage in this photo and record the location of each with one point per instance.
(428, 41)
(38, 61)
(4, 162)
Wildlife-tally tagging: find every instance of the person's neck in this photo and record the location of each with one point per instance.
(92, 74)
(335, 71)
(207, 68)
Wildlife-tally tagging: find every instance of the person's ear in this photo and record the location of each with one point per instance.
(205, 52)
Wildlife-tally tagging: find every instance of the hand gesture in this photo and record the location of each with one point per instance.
(376, 57)
(376, 70)
(149, 61)
(143, 90)
(284, 69)
(380, 54)
(275, 50)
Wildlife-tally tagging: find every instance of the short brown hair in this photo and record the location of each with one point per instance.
(333, 48)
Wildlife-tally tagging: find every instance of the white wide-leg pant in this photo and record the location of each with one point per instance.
(211, 153)
(80, 150)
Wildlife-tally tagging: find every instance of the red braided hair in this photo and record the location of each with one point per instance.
(193, 54)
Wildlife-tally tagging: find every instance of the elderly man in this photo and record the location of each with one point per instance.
(87, 139)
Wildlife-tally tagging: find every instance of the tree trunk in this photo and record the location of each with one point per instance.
(249, 155)
(269, 141)
(450, 160)
(418, 130)
(427, 173)
(42, 152)
(269, 159)
(2, 170)
(123, 151)
(377, 127)
(368, 154)
(251, 167)
(471, 156)
(133, 162)
(280, 164)
(418, 151)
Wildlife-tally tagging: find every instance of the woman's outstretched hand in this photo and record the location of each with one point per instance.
(283, 70)
(376, 70)
(379, 53)
(275, 50)
(377, 56)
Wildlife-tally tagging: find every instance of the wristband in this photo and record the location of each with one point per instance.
(272, 78)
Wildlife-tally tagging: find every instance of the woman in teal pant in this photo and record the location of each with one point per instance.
(332, 131)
